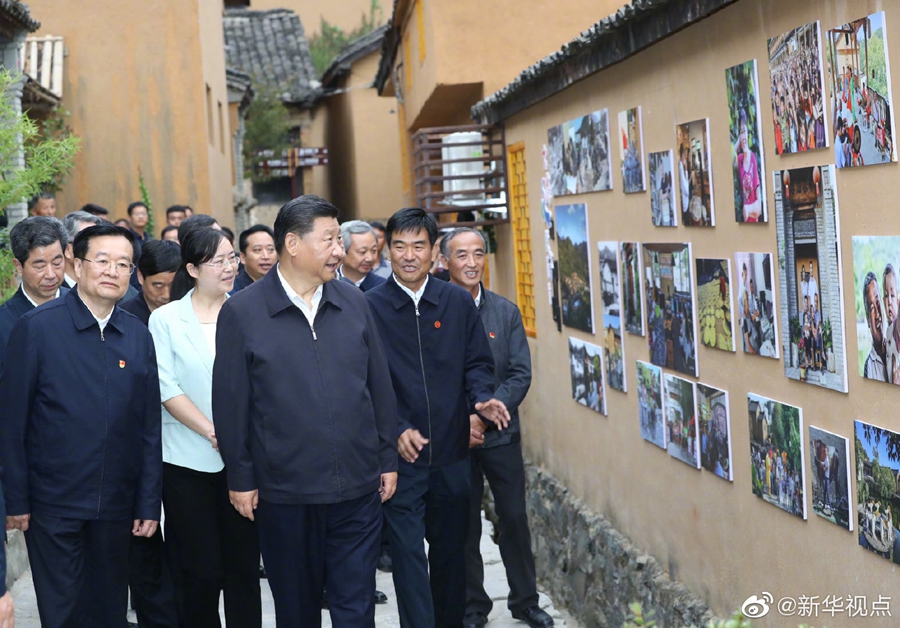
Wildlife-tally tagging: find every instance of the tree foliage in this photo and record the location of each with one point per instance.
(267, 128)
(328, 42)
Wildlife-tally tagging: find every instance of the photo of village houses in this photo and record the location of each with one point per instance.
(575, 267)
(877, 488)
(586, 366)
(650, 403)
(776, 453)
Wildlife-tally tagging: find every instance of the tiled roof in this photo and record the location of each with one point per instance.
(352, 52)
(271, 47)
(17, 12)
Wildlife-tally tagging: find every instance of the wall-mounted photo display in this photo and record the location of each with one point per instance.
(714, 431)
(830, 459)
(714, 303)
(695, 174)
(876, 289)
(632, 301)
(610, 298)
(574, 267)
(777, 453)
(861, 104)
(681, 419)
(757, 324)
(631, 150)
(671, 320)
(877, 506)
(650, 403)
(809, 254)
(747, 155)
(798, 88)
(579, 155)
(662, 190)
(586, 367)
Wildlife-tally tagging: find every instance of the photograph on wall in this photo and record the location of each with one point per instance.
(877, 505)
(747, 155)
(809, 255)
(632, 304)
(681, 420)
(861, 103)
(714, 431)
(876, 289)
(610, 300)
(574, 267)
(777, 453)
(695, 174)
(579, 157)
(714, 303)
(586, 366)
(756, 304)
(797, 89)
(670, 306)
(830, 456)
(631, 150)
(662, 199)
(650, 403)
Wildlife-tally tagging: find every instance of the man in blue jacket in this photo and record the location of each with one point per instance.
(360, 255)
(441, 369)
(80, 437)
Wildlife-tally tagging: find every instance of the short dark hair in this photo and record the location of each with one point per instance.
(377, 224)
(299, 215)
(94, 210)
(868, 281)
(84, 237)
(175, 209)
(29, 234)
(412, 219)
(167, 229)
(137, 204)
(159, 256)
(198, 247)
(197, 221)
(228, 233)
(246, 233)
(37, 197)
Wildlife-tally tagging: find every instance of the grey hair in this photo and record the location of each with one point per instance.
(33, 232)
(355, 227)
(71, 221)
(445, 242)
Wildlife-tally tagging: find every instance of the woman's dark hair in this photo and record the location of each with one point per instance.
(198, 247)
(197, 221)
(412, 219)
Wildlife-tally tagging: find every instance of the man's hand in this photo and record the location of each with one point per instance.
(144, 528)
(410, 444)
(7, 611)
(18, 522)
(476, 431)
(494, 411)
(245, 503)
(388, 485)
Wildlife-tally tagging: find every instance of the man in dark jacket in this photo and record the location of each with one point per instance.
(360, 255)
(257, 246)
(441, 368)
(497, 455)
(160, 260)
(306, 422)
(80, 442)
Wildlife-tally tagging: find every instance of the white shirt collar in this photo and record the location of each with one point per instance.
(70, 283)
(341, 275)
(417, 295)
(478, 298)
(32, 301)
(308, 312)
(100, 321)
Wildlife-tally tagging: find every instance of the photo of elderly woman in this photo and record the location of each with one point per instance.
(747, 161)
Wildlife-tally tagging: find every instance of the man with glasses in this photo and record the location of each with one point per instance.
(80, 443)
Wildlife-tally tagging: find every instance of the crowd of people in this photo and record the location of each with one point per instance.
(303, 398)
(812, 348)
(780, 482)
(797, 101)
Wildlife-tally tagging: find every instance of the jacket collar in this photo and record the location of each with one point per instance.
(19, 303)
(198, 340)
(84, 318)
(277, 299)
(484, 297)
(399, 298)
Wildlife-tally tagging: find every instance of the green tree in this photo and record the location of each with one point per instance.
(267, 129)
(884, 482)
(328, 42)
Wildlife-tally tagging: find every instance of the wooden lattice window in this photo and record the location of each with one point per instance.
(521, 228)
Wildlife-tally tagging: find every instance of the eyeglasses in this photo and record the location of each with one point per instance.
(232, 261)
(104, 264)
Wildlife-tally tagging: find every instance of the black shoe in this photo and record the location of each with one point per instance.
(474, 620)
(534, 616)
(385, 563)
(380, 598)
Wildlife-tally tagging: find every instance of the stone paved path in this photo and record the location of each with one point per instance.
(386, 615)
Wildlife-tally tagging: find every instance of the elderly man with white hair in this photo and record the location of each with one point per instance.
(360, 255)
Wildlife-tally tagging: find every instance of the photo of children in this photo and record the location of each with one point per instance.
(670, 306)
(797, 88)
(877, 506)
(631, 150)
(681, 420)
(575, 267)
(777, 453)
(861, 102)
(830, 456)
(809, 252)
(579, 155)
(662, 192)
(612, 321)
(876, 286)
(756, 304)
(715, 431)
(632, 306)
(747, 156)
(650, 403)
(695, 174)
(586, 366)
(714, 303)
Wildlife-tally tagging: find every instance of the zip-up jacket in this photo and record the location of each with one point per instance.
(439, 360)
(305, 414)
(80, 427)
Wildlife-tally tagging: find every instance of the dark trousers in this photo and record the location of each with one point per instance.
(80, 570)
(505, 471)
(308, 548)
(431, 503)
(211, 548)
(152, 593)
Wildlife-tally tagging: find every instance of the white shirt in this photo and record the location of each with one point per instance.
(100, 321)
(30, 300)
(341, 275)
(308, 312)
(417, 295)
(478, 298)
(70, 283)
(209, 332)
